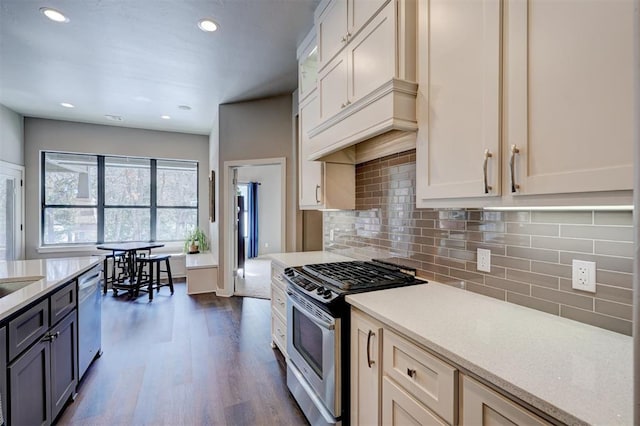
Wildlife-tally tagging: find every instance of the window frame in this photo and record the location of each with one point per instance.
(101, 205)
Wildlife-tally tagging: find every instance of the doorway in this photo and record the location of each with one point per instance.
(11, 211)
(256, 197)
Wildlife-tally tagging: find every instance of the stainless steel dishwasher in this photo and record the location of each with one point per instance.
(89, 318)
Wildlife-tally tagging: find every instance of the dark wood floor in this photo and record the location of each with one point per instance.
(185, 360)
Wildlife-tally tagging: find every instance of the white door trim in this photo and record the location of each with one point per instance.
(229, 214)
(21, 216)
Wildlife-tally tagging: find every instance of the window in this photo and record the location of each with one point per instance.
(97, 199)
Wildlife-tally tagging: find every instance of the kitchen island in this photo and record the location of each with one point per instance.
(563, 370)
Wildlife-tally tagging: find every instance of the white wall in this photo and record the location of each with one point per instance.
(53, 135)
(269, 205)
(255, 130)
(11, 136)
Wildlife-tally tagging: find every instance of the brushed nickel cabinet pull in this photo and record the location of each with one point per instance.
(370, 362)
(317, 198)
(512, 168)
(487, 155)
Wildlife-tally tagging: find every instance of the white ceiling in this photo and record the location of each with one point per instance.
(140, 59)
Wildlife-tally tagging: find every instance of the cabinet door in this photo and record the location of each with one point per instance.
(29, 387)
(458, 99)
(366, 344)
(400, 408)
(64, 363)
(360, 12)
(3, 370)
(310, 182)
(332, 30)
(372, 55)
(481, 406)
(569, 95)
(332, 87)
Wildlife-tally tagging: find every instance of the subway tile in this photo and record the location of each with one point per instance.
(450, 224)
(613, 218)
(486, 291)
(438, 233)
(429, 258)
(609, 263)
(490, 216)
(517, 216)
(615, 279)
(533, 229)
(562, 297)
(446, 261)
(436, 269)
(567, 244)
(427, 275)
(462, 254)
(466, 275)
(485, 226)
(575, 217)
(613, 309)
(511, 262)
(532, 302)
(454, 244)
(612, 233)
(446, 279)
(496, 271)
(614, 294)
(507, 239)
(453, 214)
(614, 248)
(531, 278)
(533, 254)
(563, 271)
(513, 286)
(498, 250)
(438, 251)
(598, 320)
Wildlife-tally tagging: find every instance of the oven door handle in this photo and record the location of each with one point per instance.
(324, 324)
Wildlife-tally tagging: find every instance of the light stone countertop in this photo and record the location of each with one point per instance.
(307, 258)
(574, 372)
(47, 274)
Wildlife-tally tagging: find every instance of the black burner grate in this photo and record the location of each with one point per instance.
(357, 275)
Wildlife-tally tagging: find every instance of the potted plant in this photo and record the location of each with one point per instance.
(196, 241)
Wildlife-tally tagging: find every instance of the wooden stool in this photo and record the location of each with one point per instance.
(154, 262)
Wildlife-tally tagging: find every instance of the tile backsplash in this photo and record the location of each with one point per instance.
(531, 251)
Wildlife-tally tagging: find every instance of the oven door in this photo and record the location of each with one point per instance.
(313, 346)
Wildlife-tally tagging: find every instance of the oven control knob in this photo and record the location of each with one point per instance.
(320, 290)
(327, 294)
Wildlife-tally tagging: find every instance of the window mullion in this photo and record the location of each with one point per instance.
(154, 199)
(101, 198)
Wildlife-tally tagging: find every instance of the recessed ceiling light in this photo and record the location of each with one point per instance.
(207, 25)
(184, 107)
(54, 15)
(165, 117)
(67, 105)
(113, 117)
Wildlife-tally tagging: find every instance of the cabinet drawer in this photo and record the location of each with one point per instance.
(279, 332)
(277, 273)
(432, 381)
(278, 301)
(400, 408)
(28, 327)
(483, 406)
(62, 302)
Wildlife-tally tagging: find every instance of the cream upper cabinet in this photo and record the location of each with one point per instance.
(366, 63)
(366, 368)
(553, 116)
(569, 96)
(311, 172)
(339, 21)
(307, 66)
(458, 144)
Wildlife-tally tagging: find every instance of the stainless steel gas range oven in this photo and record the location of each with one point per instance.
(318, 331)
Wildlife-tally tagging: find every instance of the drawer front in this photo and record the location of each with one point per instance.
(430, 380)
(277, 273)
(28, 327)
(400, 408)
(62, 302)
(279, 333)
(278, 301)
(483, 406)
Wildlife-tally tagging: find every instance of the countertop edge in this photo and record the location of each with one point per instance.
(50, 289)
(526, 397)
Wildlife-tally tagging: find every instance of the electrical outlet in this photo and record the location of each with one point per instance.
(484, 260)
(330, 234)
(266, 245)
(583, 276)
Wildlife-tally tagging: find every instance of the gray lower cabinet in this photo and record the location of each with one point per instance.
(29, 384)
(3, 370)
(64, 362)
